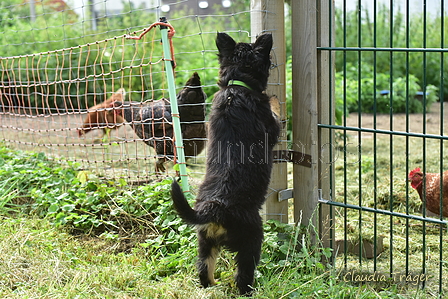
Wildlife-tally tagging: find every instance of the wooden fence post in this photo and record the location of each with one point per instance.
(269, 16)
(326, 108)
(305, 111)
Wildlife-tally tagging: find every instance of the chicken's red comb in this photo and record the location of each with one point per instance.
(414, 171)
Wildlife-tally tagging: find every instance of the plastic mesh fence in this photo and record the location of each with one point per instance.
(61, 102)
(58, 69)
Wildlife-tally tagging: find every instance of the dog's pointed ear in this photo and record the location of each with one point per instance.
(263, 43)
(225, 44)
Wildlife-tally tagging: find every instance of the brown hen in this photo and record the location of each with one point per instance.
(152, 121)
(98, 117)
(432, 190)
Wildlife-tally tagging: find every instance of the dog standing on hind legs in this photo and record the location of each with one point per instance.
(242, 133)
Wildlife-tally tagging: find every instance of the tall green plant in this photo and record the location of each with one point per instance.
(194, 49)
(384, 30)
(379, 93)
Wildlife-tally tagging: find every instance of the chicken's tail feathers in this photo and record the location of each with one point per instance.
(182, 206)
(194, 80)
(192, 93)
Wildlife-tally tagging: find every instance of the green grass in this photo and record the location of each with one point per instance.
(131, 244)
(381, 181)
(41, 261)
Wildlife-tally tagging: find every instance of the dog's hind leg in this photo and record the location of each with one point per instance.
(248, 247)
(247, 259)
(208, 253)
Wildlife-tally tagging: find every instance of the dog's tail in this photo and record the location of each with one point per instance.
(182, 206)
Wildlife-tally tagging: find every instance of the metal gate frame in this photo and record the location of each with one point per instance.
(314, 132)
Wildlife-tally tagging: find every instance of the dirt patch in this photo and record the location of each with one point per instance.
(430, 123)
(124, 155)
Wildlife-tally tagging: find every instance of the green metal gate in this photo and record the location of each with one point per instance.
(386, 111)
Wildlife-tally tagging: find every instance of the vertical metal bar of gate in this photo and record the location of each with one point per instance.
(391, 139)
(375, 158)
(424, 140)
(407, 145)
(441, 97)
(344, 132)
(392, 49)
(360, 149)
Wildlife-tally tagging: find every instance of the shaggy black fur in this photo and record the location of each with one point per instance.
(242, 133)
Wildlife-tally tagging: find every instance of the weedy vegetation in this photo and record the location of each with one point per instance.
(376, 177)
(66, 234)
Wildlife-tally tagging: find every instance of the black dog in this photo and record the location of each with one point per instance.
(242, 133)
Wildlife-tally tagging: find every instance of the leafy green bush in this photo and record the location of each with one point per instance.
(287, 245)
(54, 30)
(29, 171)
(366, 95)
(357, 28)
(56, 190)
(78, 200)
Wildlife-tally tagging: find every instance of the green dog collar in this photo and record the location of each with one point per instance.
(240, 83)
